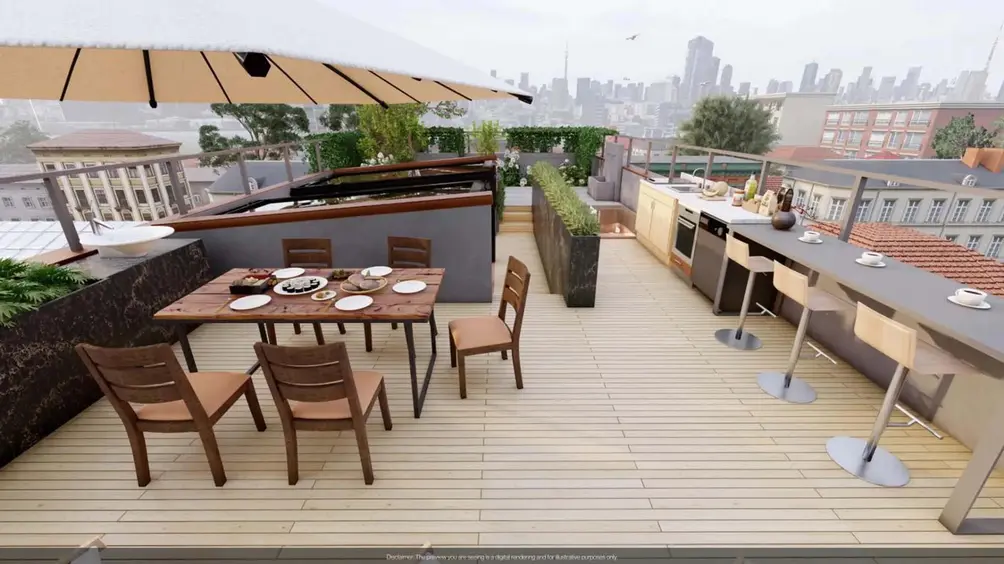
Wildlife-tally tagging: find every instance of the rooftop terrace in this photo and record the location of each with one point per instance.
(635, 428)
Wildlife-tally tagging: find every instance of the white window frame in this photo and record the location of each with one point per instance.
(860, 118)
(907, 146)
(973, 244)
(832, 118)
(920, 117)
(883, 118)
(959, 211)
(28, 202)
(894, 139)
(800, 197)
(994, 248)
(912, 209)
(836, 209)
(887, 209)
(8, 202)
(864, 211)
(951, 238)
(855, 139)
(899, 119)
(44, 202)
(986, 208)
(934, 211)
(814, 203)
(845, 118)
(828, 136)
(872, 139)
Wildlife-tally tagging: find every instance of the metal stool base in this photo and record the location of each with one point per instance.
(883, 470)
(746, 342)
(798, 391)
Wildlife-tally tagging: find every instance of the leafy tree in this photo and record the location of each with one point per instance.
(999, 126)
(341, 117)
(447, 110)
(396, 131)
(730, 124)
(15, 139)
(266, 124)
(951, 141)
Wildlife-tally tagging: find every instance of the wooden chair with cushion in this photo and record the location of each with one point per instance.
(172, 401)
(315, 389)
(309, 253)
(480, 335)
(408, 252)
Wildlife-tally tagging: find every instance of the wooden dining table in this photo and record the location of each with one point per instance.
(211, 304)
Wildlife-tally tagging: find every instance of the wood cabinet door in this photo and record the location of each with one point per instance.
(661, 230)
(643, 217)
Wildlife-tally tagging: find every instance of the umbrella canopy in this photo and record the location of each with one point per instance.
(205, 51)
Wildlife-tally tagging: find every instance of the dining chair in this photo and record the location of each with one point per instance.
(309, 253)
(480, 335)
(408, 252)
(172, 401)
(315, 389)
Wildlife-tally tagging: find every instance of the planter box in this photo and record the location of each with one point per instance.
(600, 189)
(570, 262)
(43, 384)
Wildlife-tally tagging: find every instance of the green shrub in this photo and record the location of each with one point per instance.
(582, 142)
(579, 218)
(448, 139)
(486, 137)
(26, 285)
(339, 149)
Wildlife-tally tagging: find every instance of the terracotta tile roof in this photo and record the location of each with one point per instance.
(928, 252)
(803, 153)
(774, 183)
(104, 139)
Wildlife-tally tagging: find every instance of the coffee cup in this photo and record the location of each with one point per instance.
(869, 257)
(811, 235)
(970, 297)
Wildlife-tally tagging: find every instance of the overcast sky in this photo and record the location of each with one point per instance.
(761, 39)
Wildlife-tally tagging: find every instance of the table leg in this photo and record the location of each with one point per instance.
(368, 336)
(985, 456)
(270, 334)
(186, 348)
(409, 338)
(262, 333)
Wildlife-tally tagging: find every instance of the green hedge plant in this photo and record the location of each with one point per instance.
(448, 139)
(579, 218)
(26, 285)
(339, 149)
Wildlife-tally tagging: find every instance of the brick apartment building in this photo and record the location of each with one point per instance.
(903, 128)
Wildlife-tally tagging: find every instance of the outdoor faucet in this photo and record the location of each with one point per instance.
(97, 225)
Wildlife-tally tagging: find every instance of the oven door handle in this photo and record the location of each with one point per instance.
(686, 223)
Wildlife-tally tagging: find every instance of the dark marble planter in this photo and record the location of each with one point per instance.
(570, 262)
(43, 384)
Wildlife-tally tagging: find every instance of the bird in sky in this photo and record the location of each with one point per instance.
(633, 37)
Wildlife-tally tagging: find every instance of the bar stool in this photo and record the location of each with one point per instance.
(795, 286)
(740, 252)
(865, 459)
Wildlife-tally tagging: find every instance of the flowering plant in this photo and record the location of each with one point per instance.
(509, 169)
(572, 174)
(378, 160)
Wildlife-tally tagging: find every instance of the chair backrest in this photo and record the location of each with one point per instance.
(409, 252)
(142, 375)
(791, 283)
(308, 374)
(889, 337)
(515, 288)
(307, 253)
(737, 251)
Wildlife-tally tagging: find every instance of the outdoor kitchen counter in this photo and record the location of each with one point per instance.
(976, 336)
(719, 209)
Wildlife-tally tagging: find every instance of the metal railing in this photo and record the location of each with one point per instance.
(180, 192)
(857, 187)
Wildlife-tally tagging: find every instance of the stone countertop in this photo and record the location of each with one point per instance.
(103, 268)
(720, 209)
(905, 289)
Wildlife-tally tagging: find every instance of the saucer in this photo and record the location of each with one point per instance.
(984, 305)
(816, 242)
(868, 264)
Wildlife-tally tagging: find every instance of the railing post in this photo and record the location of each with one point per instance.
(243, 167)
(648, 160)
(176, 188)
(317, 156)
(856, 193)
(630, 147)
(289, 165)
(672, 162)
(59, 204)
(762, 186)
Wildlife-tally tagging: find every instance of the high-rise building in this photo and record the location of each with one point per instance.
(887, 89)
(524, 81)
(494, 74)
(808, 83)
(726, 82)
(908, 89)
(785, 86)
(658, 93)
(831, 82)
(608, 89)
(957, 93)
(941, 90)
(1000, 94)
(924, 92)
(716, 63)
(772, 86)
(698, 67)
(559, 93)
(744, 89)
(582, 90)
(863, 87)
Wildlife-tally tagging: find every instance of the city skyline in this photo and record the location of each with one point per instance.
(540, 32)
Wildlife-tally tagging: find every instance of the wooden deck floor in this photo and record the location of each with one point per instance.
(635, 428)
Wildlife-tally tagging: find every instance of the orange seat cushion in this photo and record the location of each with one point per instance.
(213, 389)
(367, 384)
(479, 332)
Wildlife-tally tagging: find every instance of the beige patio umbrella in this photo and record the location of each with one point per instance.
(204, 51)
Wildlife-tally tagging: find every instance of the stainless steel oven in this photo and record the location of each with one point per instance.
(682, 256)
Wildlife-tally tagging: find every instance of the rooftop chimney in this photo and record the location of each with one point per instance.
(990, 159)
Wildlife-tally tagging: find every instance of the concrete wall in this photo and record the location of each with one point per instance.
(461, 243)
(630, 186)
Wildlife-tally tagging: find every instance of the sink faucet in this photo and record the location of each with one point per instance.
(97, 225)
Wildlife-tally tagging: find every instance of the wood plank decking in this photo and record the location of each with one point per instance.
(635, 428)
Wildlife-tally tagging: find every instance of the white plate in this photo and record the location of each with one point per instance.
(409, 287)
(287, 273)
(816, 242)
(280, 287)
(250, 302)
(353, 303)
(955, 301)
(377, 271)
(873, 265)
(317, 298)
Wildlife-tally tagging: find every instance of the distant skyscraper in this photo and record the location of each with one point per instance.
(809, 77)
(698, 67)
(1000, 94)
(494, 74)
(608, 89)
(716, 63)
(744, 89)
(772, 86)
(941, 90)
(581, 90)
(923, 92)
(726, 82)
(959, 89)
(658, 93)
(908, 88)
(785, 86)
(976, 87)
(559, 93)
(674, 91)
(887, 89)
(831, 82)
(524, 81)
(863, 87)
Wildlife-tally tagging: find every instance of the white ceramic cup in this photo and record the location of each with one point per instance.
(869, 257)
(969, 296)
(811, 235)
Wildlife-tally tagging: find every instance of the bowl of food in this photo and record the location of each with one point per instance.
(359, 284)
(249, 285)
(340, 274)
